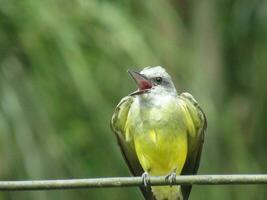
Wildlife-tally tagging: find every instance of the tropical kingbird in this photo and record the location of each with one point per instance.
(160, 132)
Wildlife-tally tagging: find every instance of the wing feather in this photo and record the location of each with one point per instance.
(125, 141)
(200, 122)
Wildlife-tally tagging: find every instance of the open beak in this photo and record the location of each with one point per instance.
(143, 83)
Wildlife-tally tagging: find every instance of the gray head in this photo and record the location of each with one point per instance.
(154, 80)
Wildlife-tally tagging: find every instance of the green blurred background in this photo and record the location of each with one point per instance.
(63, 70)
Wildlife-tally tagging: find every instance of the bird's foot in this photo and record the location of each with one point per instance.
(146, 179)
(171, 177)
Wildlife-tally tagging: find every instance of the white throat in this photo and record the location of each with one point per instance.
(157, 97)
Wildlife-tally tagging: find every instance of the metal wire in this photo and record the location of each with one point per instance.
(132, 181)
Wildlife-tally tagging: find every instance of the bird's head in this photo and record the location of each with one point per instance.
(153, 79)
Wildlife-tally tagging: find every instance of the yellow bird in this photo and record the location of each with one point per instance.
(160, 132)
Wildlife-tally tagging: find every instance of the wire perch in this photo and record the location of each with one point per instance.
(132, 181)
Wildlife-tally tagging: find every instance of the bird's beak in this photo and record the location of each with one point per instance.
(141, 80)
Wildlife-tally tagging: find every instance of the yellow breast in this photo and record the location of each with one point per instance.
(159, 152)
(160, 138)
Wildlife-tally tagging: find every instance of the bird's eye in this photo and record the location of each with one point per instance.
(158, 80)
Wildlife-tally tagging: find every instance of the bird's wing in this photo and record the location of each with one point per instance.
(125, 141)
(195, 143)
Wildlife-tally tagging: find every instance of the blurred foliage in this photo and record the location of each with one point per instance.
(63, 70)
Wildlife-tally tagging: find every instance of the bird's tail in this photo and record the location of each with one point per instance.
(167, 192)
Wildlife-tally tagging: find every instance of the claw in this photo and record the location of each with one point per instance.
(171, 177)
(146, 179)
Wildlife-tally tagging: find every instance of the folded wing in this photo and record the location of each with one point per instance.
(195, 141)
(125, 141)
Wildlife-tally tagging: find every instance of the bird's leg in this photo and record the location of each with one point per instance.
(146, 179)
(171, 177)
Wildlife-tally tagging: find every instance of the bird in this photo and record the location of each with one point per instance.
(160, 132)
